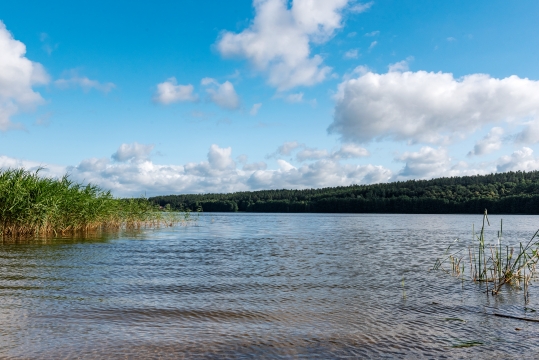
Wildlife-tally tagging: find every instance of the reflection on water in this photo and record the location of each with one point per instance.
(260, 286)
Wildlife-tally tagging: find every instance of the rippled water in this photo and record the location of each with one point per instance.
(260, 286)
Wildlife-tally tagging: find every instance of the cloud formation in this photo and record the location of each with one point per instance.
(490, 143)
(351, 54)
(72, 79)
(17, 77)
(522, 159)
(428, 107)
(346, 151)
(278, 40)
(218, 174)
(132, 152)
(223, 95)
(131, 172)
(169, 92)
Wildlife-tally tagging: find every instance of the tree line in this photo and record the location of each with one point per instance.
(502, 193)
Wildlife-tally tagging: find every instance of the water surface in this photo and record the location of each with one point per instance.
(261, 286)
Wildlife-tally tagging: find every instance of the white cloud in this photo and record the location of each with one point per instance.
(428, 107)
(373, 33)
(255, 166)
(287, 148)
(133, 152)
(17, 77)
(372, 45)
(359, 8)
(218, 174)
(311, 154)
(223, 95)
(451, 39)
(52, 170)
(322, 173)
(425, 163)
(255, 108)
(530, 133)
(519, 160)
(351, 54)
(73, 79)
(278, 40)
(348, 151)
(400, 66)
(490, 143)
(294, 98)
(169, 92)
(428, 163)
(221, 174)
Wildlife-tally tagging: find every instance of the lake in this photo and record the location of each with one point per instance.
(245, 285)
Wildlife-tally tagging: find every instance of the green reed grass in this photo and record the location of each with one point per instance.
(494, 265)
(31, 204)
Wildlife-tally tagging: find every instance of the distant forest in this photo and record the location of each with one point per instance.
(503, 193)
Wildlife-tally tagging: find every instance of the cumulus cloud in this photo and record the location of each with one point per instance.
(322, 173)
(132, 152)
(17, 77)
(428, 163)
(255, 108)
(169, 92)
(346, 151)
(530, 133)
(490, 143)
(278, 41)
(72, 79)
(428, 107)
(522, 159)
(223, 95)
(425, 163)
(219, 174)
(372, 45)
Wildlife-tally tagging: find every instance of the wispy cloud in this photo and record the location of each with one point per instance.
(351, 54)
(255, 108)
(72, 79)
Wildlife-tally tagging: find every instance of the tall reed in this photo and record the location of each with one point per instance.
(31, 204)
(496, 265)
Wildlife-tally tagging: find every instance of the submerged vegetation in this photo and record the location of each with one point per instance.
(494, 264)
(502, 193)
(31, 204)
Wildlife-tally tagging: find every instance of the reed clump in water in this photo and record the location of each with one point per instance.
(34, 205)
(495, 265)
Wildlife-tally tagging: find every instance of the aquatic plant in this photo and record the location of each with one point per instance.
(494, 265)
(31, 204)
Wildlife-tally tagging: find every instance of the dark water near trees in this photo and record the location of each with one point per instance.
(261, 286)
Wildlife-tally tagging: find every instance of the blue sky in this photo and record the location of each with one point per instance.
(214, 96)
